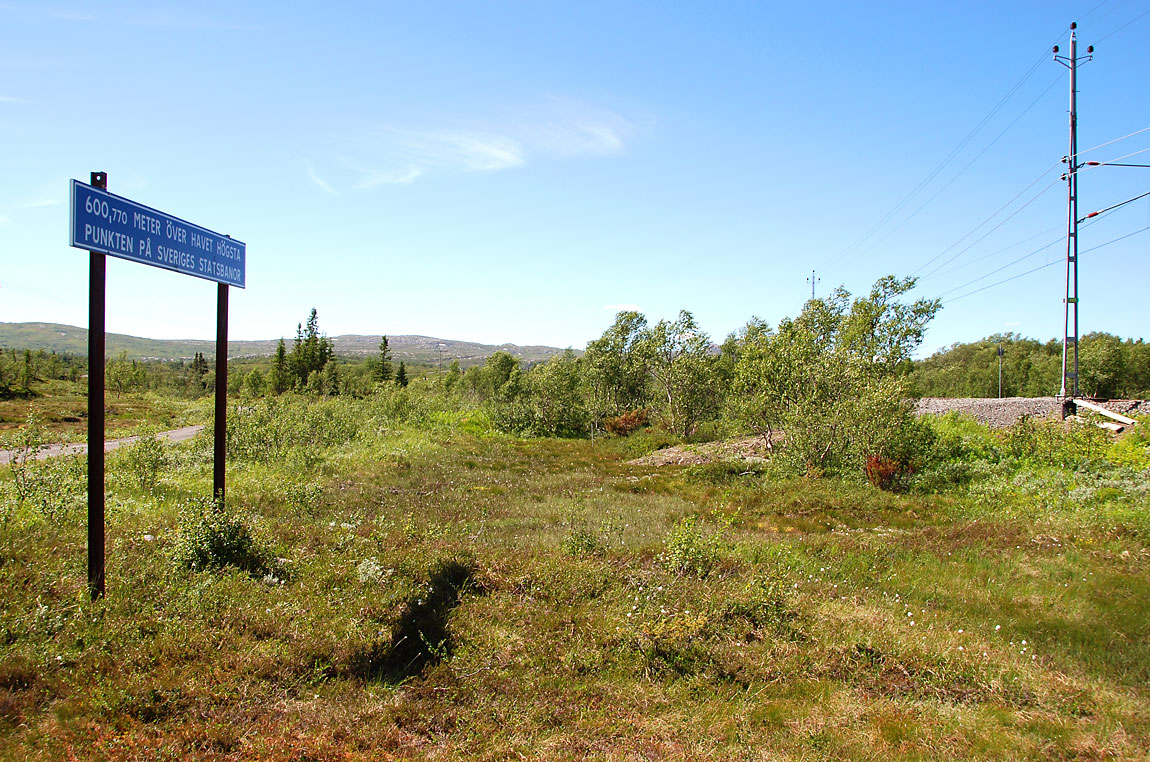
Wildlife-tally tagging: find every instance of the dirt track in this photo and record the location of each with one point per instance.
(78, 448)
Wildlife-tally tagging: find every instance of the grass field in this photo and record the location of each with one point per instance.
(400, 583)
(62, 408)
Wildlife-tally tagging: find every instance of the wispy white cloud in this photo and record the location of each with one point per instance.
(375, 179)
(350, 172)
(564, 128)
(36, 202)
(66, 15)
(166, 19)
(621, 307)
(476, 152)
(397, 155)
(149, 17)
(40, 10)
(319, 181)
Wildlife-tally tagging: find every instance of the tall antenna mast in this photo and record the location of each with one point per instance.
(813, 280)
(1070, 327)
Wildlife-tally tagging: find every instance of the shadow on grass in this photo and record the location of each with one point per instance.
(420, 637)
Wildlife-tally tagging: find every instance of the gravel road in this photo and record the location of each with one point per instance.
(78, 448)
(1001, 413)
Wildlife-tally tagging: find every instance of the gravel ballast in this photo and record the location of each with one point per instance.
(1001, 413)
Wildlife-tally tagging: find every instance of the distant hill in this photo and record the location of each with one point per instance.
(425, 350)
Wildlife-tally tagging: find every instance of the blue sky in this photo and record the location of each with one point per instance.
(517, 171)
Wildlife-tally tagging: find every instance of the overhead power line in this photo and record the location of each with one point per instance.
(1115, 206)
(1106, 13)
(1114, 162)
(1101, 215)
(943, 164)
(1006, 266)
(1115, 140)
(1119, 29)
(977, 227)
(990, 254)
(957, 175)
(1043, 267)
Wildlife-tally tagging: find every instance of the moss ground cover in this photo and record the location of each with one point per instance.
(394, 582)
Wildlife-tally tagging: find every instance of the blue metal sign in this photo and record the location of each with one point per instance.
(114, 225)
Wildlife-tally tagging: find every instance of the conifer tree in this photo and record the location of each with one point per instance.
(453, 377)
(280, 375)
(331, 380)
(383, 369)
(199, 365)
(311, 351)
(199, 369)
(401, 375)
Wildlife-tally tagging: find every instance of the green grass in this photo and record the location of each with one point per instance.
(432, 589)
(62, 407)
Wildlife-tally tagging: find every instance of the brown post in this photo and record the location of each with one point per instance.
(96, 357)
(219, 454)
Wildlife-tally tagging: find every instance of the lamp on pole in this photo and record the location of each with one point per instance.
(1000, 372)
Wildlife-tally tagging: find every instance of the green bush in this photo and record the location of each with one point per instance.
(766, 603)
(688, 551)
(291, 427)
(830, 380)
(212, 536)
(644, 442)
(1054, 443)
(144, 459)
(303, 497)
(1133, 449)
(54, 487)
(961, 438)
(581, 540)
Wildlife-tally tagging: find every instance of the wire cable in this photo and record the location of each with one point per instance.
(1119, 29)
(949, 182)
(956, 268)
(1095, 165)
(1115, 140)
(997, 270)
(981, 238)
(1095, 219)
(994, 214)
(943, 164)
(1094, 10)
(1115, 206)
(1048, 264)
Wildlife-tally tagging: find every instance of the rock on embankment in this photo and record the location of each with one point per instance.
(1000, 413)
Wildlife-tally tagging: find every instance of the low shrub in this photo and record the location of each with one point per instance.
(882, 472)
(144, 459)
(766, 604)
(1132, 449)
(675, 645)
(688, 551)
(962, 438)
(627, 423)
(212, 536)
(644, 442)
(55, 487)
(581, 540)
(303, 497)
